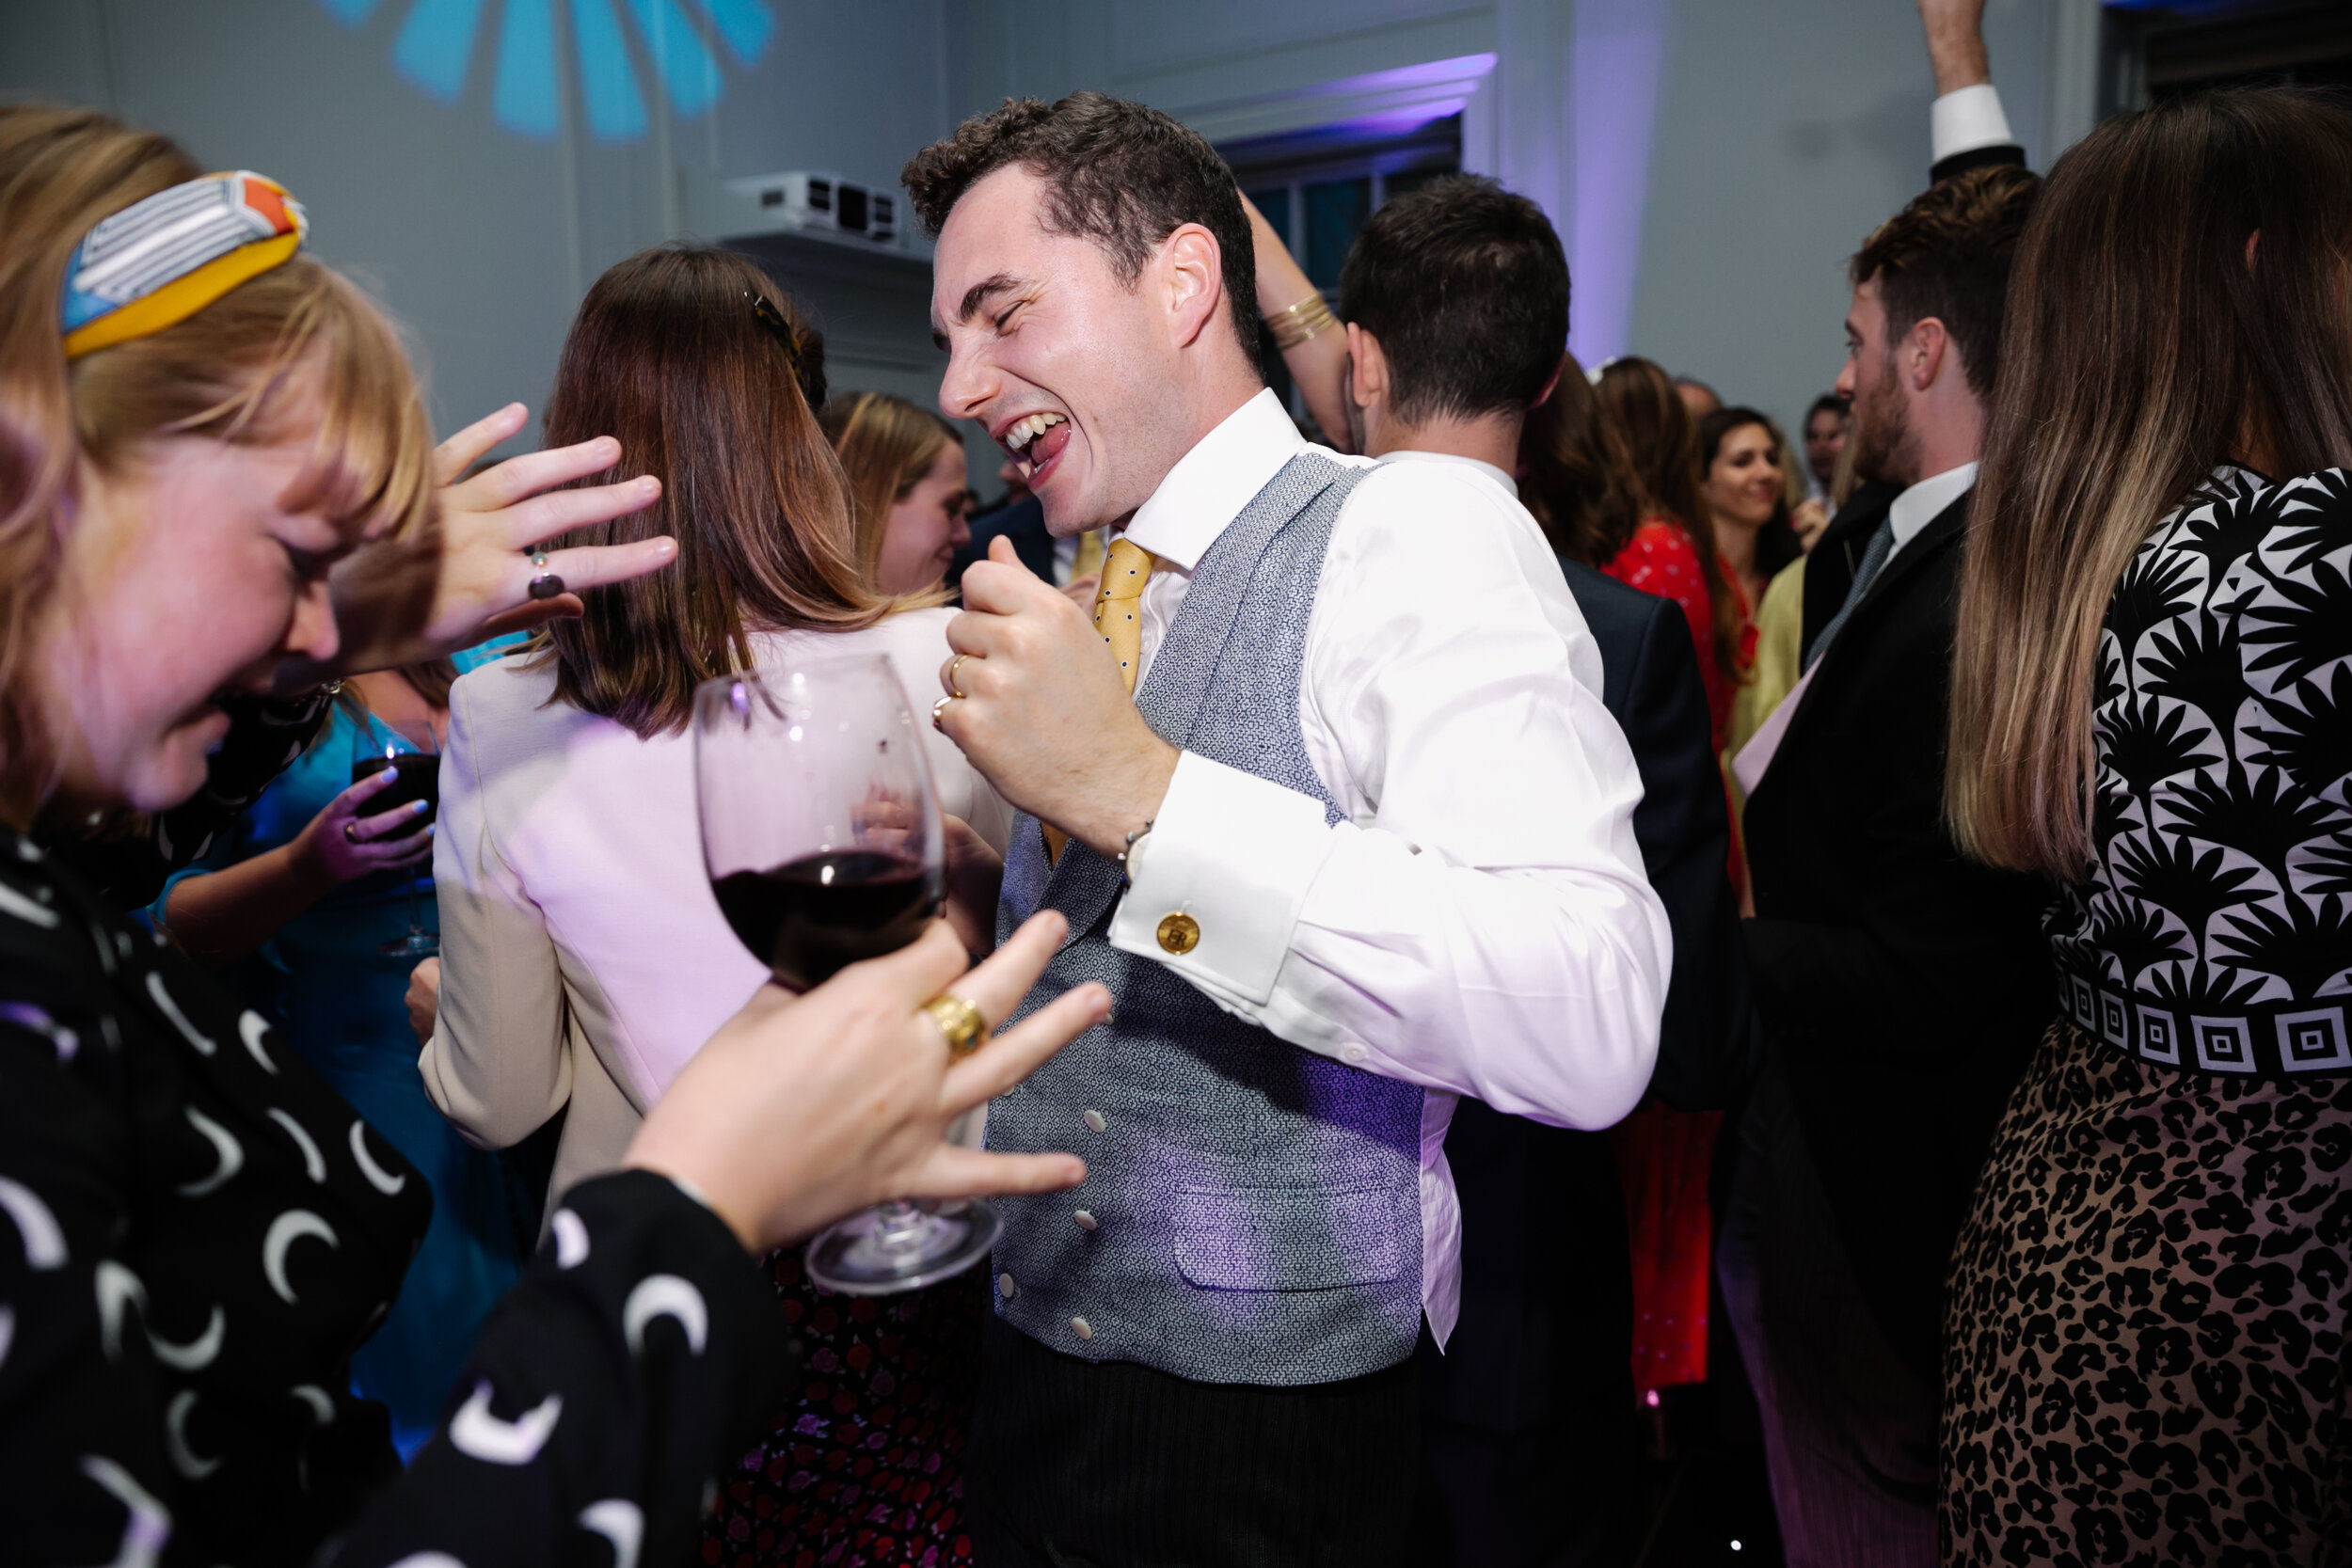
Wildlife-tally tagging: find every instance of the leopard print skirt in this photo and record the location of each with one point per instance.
(2144, 1338)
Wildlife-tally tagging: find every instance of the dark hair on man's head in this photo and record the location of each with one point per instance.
(1947, 256)
(1118, 173)
(1467, 289)
(1828, 402)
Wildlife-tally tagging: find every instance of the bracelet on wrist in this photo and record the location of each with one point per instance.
(1301, 322)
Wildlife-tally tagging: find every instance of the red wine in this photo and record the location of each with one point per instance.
(420, 779)
(810, 918)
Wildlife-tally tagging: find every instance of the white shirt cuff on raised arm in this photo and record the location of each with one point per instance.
(1966, 118)
(1233, 855)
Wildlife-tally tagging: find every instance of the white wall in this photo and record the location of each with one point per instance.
(1710, 163)
(483, 240)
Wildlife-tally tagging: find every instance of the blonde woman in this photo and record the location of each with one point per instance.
(215, 473)
(2145, 1329)
(907, 490)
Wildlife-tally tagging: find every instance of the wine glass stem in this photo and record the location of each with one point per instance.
(896, 1221)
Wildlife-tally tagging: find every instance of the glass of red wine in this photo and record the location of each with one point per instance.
(417, 776)
(821, 835)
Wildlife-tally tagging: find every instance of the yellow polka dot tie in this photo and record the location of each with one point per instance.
(1118, 616)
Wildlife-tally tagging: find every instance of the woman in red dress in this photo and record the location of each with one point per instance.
(1663, 1155)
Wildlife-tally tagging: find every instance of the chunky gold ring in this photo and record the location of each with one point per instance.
(351, 833)
(939, 707)
(959, 1022)
(953, 665)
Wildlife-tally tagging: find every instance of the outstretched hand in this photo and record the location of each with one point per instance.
(803, 1109)
(405, 602)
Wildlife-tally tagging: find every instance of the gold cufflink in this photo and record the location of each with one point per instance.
(1178, 933)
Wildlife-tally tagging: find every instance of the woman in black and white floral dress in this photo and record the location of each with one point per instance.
(2145, 1356)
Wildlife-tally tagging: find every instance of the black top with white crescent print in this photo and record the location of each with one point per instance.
(2213, 930)
(128, 862)
(201, 1232)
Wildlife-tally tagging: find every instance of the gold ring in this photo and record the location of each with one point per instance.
(953, 665)
(959, 1022)
(939, 707)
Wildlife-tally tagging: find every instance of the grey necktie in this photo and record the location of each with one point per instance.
(1874, 556)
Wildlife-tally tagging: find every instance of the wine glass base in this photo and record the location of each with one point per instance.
(416, 944)
(880, 1253)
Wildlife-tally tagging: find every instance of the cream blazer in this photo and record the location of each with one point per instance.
(584, 957)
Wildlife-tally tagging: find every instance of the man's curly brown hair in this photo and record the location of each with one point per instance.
(1947, 255)
(1121, 175)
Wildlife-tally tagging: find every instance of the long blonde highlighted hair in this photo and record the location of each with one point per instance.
(886, 445)
(297, 345)
(2146, 343)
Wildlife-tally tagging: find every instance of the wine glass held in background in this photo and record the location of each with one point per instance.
(416, 778)
(822, 838)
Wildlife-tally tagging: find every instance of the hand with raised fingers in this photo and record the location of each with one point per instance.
(405, 602)
(801, 1109)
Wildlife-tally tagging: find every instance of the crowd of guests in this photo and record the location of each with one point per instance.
(1481, 890)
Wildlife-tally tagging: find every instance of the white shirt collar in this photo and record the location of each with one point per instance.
(1921, 505)
(1479, 466)
(1211, 483)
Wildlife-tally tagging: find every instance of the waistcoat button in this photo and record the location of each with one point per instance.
(1003, 1285)
(1082, 1328)
(1094, 1121)
(1178, 933)
(1086, 1220)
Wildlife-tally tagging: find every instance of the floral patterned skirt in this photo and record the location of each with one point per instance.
(2144, 1334)
(864, 1468)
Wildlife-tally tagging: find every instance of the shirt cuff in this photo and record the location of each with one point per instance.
(1233, 855)
(1966, 118)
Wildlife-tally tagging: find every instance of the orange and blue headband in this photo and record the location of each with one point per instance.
(159, 261)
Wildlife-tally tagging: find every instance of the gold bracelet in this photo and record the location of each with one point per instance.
(1301, 322)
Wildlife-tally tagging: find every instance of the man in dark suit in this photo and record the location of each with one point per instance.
(1527, 1416)
(1901, 989)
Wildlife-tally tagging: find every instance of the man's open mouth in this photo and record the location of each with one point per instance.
(1034, 440)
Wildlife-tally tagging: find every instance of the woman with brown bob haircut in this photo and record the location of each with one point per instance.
(217, 491)
(2151, 705)
(585, 960)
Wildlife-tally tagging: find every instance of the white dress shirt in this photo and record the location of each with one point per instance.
(1479, 923)
(1966, 118)
(1922, 503)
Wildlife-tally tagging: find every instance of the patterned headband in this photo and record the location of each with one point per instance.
(159, 261)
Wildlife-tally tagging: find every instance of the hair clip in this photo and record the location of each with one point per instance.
(773, 319)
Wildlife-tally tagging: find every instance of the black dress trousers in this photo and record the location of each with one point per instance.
(1079, 1463)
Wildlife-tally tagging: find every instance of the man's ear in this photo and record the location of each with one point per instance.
(1192, 272)
(1368, 368)
(1927, 354)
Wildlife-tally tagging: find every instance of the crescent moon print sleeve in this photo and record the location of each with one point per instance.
(195, 1233)
(638, 1358)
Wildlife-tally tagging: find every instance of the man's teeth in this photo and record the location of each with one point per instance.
(1026, 430)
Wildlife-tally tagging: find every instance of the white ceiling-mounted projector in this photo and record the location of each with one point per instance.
(822, 203)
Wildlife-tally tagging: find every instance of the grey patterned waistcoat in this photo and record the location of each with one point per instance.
(1256, 1208)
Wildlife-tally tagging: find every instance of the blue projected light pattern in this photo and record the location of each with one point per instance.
(435, 47)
